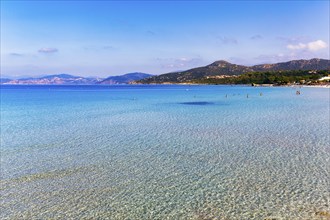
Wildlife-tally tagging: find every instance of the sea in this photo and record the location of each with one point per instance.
(164, 152)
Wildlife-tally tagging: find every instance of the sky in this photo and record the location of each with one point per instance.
(104, 38)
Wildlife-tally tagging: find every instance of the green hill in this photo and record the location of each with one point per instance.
(225, 72)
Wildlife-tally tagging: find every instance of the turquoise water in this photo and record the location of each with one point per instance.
(164, 152)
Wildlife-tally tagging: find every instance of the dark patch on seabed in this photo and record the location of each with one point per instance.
(196, 103)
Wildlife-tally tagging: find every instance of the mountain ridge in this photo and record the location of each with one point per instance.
(67, 79)
(217, 69)
(222, 68)
(125, 79)
(57, 79)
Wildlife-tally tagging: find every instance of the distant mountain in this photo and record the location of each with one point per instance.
(66, 79)
(217, 68)
(60, 79)
(4, 80)
(223, 69)
(125, 79)
(62, 76)
(313, 64)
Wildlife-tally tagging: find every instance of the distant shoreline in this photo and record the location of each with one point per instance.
(327, 86)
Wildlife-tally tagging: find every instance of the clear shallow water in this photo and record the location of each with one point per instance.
(157, 152)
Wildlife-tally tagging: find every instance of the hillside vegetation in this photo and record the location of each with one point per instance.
(222, 72)
(270, 77)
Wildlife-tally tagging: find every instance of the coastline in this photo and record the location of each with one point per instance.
(317, 86)
(327, 86)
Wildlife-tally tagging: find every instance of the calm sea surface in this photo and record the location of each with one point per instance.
(164, 152)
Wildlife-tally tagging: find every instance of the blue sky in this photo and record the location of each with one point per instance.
(102, 38)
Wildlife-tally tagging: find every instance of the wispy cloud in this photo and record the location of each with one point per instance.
(256, 37)
(179, 63)
(312, 46)
(100, 48)
(292, 55)
(16, 54)
(293, 39)
(227, 40)
(108, 47)
(274, 58)
(239, 60)
(48, 50)
(152, 33)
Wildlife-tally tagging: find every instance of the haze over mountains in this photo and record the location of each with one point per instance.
(216, 69)
(67, 79)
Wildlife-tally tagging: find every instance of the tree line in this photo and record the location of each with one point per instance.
(270, 77)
